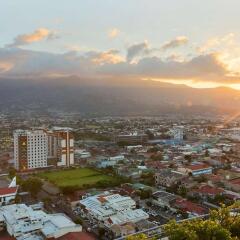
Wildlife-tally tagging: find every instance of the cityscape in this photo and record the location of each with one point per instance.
(119, 120)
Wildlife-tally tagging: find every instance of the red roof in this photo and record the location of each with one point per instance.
(5, 191)
(209, 190)
(77, 236)
(235, 181)
(198, 167)
(190, 206)
(155, 164)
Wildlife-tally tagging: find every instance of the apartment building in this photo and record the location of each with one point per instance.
(61, 147)
(30, 149)
(40, 148)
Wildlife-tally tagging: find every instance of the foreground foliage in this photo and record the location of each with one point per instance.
(222, 224)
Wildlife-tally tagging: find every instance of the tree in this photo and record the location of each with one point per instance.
(157, 157)
(138, 237)
(222, 224)
(32, 185)
(12, 173)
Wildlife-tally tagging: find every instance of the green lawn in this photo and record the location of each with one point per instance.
(76, 177)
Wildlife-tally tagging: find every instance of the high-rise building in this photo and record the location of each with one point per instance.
(30, 149)
(61, 146)
(178, 133)
(43, 148)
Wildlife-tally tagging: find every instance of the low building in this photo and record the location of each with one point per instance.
(22, 221)
(8, 194)
(163, 199)
(196, 169)
(134, 138)
(111, 209)
(168, 177)
(207, 191)
(189, 207)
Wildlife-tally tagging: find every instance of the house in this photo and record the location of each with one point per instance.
(196, 169)
(189, 207)
(168, 177)
(163, 199)
(8, 194)
(206, 191)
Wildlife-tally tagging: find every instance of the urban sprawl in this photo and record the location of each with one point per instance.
(69, 177)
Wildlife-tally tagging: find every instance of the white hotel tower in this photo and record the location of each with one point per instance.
(30, 149)
(43, 148)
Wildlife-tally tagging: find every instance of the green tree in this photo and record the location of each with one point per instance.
(221, 225)
(138, 237)
(32, 185)
(12, 173)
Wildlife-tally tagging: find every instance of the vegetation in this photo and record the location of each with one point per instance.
(80, 178)
(157, 156)
(222, 224)
(32, 185)
(91, 136)
(138, 237)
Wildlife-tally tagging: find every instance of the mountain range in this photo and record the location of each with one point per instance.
(118, 97)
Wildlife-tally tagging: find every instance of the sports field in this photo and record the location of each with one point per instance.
(76, 177)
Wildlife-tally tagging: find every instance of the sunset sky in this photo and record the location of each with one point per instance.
(180, 41)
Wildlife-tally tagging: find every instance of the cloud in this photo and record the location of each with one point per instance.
(36, 36)
(5, 66)
(137, 49)
(177, 42)
(139, 63)
(199, 68)
(112, 56)
(215, 43)
(113, 33)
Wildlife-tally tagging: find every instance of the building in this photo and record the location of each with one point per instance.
(23, 222)
(196, 169)
(163, 199)
(134, 138)
(168, 177)
(110, 209)
(8, 194)
(43, 148)
(191, 208)
(30, 149)
(178, 133)
(61, 147)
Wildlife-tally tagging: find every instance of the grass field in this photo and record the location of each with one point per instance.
(76, 177)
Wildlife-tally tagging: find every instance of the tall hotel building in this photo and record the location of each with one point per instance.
(43, 148)
(30, 149)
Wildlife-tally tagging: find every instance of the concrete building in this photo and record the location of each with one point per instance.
(196, 169)
(178, 133)
(30, 149)
(111, 209)
(133, 138)
(22, 222)
(61, 147)
(42, 148)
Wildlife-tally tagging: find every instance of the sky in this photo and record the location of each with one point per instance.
(193, 42)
